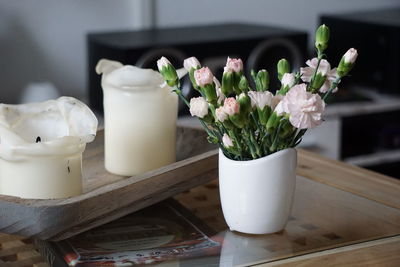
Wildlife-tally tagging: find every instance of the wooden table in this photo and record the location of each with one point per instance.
(342, 215)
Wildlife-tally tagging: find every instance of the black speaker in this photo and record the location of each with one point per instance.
(260, 47)
(376, 36)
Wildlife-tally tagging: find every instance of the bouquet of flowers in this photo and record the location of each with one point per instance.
(249, 122)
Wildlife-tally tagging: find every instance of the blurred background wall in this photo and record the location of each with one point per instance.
(44, 40)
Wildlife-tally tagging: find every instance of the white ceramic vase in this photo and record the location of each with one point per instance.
(257, 195)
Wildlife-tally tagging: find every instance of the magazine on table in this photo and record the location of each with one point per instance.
(160, 233)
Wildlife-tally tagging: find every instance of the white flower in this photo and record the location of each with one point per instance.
(203, 76)
(350, 56)
(260, 99)
(216, 82)
(324, 69)
(221, 114)
(288, 79)
(304, 108)
(162, 62)
(191, 63)
(227, 141)
(198, 107)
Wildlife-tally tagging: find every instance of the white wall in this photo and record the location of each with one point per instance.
(44, 40)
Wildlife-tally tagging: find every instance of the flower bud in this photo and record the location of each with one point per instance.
(264, 114)
(191, 63)
(168, 72)
(198, 107)
(227, 83)
(322, 38)
(262, 80)
(283, 67)
(243, 84)
(347, 62)
(244, 102)
(210, 93)
(272, 122)
(288, 80)
(350, 56)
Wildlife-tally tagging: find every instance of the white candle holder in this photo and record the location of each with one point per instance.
(41, 146)
(140, 114)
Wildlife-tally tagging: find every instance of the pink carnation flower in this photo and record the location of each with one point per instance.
(203, 76)
(304, 108)
(234, 65)
(324, 69)
(231, 106)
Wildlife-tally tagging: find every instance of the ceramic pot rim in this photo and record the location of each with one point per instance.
(256, 161)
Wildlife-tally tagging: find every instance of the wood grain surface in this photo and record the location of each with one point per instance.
(323, 217)
(329, 223)
(381, 252)
(108, 197)
(357, 180)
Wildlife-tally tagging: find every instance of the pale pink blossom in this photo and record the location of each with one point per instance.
(231, 106)
(281, 108)
(203, 76)
(304, 108)
(288, 79)
(162, 62)
(198, 107)
(227, 141)
(324, 69)
(260, 99)
(276, 99)
(221, 114)
(233, 65)
(191, 63)
(350, 56)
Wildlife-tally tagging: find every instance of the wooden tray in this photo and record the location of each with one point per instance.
(108, 197)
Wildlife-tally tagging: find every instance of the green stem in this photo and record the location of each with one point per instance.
(273, 146)
(320, 55)
(297, 137)
(333, 86)
(254, 142)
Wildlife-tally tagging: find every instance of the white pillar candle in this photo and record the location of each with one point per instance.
(139, 119)
(41, 147)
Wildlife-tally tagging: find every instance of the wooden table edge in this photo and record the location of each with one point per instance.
(356, 180)
(330, 251)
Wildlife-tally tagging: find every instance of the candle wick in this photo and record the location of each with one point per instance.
(38, 139)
